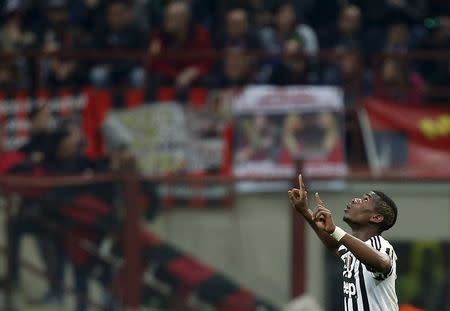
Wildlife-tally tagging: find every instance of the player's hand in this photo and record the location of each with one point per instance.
(322, 216)
(299, 197)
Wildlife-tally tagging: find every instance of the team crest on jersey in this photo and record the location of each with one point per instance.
(348, 266)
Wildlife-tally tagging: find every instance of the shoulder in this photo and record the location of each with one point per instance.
(385, 242)
(381, 244)
(375, 242)
(388, 248)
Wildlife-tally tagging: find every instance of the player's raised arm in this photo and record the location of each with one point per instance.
(299, 200)
(369, 256)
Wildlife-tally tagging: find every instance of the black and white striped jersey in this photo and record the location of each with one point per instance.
(364, 288)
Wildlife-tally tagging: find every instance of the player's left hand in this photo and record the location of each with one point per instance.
(322, 216)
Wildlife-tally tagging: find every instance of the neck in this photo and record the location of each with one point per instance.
(364, 233)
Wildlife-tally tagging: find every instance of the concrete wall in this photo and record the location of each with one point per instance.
(251, 242)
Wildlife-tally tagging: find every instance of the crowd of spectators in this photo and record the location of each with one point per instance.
(258, 41)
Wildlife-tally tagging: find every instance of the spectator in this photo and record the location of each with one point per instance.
(10, 77)
(64, 157)
(287, 27)
(32, 214)
(40, 133)
(86, 212)
(14, 38)
(348, 31)
(233, 71)
(349, 74)
(238, 33)
(151, 13)
(292, 68)
(65, 151)
(397, 37)
(13, 35)
(59, 35)
(179, 34)
(398, 83)
(120, 33)
(259, 11)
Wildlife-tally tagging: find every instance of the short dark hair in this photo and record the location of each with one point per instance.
(386, 207)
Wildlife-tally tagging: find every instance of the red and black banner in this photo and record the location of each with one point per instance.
(170, 274)
(415, 139)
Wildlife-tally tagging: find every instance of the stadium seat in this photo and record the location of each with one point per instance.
(134, 97)
(198, 96)
(165, 94)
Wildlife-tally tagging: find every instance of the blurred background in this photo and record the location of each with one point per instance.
(147, 146)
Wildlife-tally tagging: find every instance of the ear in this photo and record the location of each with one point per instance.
(376, 219)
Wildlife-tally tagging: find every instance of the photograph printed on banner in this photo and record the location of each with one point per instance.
(274, 127)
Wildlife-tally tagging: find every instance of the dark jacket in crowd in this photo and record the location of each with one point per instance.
(129, 38)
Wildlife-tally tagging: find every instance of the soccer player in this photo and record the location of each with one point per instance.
(369, 260)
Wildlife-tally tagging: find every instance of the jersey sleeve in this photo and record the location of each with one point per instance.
(385, 247)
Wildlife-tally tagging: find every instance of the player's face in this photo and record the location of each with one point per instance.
(359, 211)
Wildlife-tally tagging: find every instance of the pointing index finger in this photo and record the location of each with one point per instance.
(300, 182)
(318, 199)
